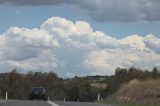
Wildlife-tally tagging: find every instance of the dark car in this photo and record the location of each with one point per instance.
(38, 93)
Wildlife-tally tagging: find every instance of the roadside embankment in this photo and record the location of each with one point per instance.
(137, 93)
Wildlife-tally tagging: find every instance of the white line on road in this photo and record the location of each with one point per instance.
(52, 103)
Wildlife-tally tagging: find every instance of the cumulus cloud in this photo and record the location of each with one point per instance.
(104, 10)
(153, 43)
(20, 43)
(72, 48)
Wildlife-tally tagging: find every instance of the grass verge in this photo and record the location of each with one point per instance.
(124, 103)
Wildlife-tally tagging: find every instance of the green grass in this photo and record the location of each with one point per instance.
(124, 103)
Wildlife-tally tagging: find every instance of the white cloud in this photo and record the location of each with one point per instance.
(133, 41)
(58, 26)
(20, 43)
(71, 48)
(70, 75)
(152, 42)
(105, 61)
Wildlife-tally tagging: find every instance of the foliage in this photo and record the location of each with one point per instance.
(123, 75)
(80, 90)
(19, 85)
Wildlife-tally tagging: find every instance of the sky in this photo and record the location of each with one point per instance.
(73, 37)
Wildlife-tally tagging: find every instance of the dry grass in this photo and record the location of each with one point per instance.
(147, 91)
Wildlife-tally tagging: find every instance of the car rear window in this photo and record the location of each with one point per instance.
(37, 90)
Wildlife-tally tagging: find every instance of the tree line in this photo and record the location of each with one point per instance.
(18, 85)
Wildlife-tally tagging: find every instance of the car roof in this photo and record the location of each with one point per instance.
(37, 88)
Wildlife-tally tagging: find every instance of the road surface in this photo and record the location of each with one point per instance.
(45, 103)
(78, 104)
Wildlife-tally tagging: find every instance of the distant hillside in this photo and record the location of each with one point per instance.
(146, 91)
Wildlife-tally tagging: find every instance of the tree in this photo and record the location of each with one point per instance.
(80, 89)
(121, 74)
(155, 72)
(72, 94)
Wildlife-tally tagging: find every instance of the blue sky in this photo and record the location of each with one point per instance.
(73, 37)
(34, 16)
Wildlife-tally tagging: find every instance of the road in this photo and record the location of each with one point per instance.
(79, 104)
(45, 103)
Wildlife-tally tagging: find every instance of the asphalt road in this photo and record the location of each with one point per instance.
(45, 103)
(79, 104)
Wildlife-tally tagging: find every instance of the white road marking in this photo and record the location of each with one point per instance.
(52, 103)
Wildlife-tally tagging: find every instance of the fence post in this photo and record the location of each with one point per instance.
(99, 97)
(6, 95)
